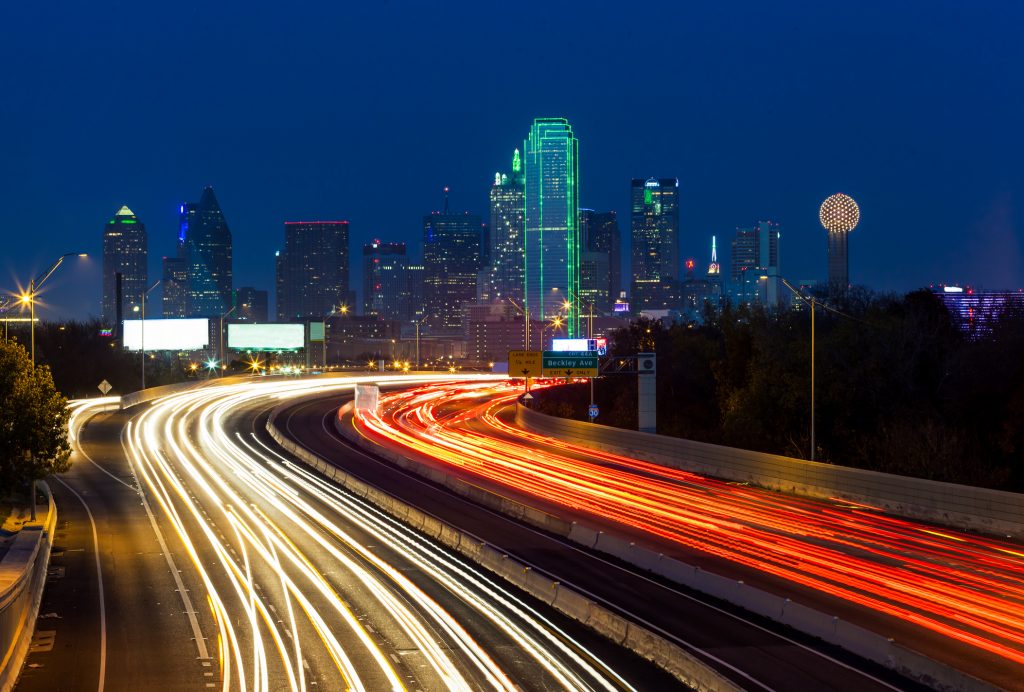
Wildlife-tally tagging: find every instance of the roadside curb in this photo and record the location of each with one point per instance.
(23, 573)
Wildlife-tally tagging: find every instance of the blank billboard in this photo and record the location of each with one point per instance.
(571, 345)
(266, 337)
(167, 335)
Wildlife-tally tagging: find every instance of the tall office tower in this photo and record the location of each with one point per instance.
(174, 286)
(251, 305)
(504, 275)
(125, 250)
(312, 270)
(599, 232)
(552, 235)
(386, 281)
(754, 270)
(206, 246)
(416, 274)
(654, 225)
(451, 260)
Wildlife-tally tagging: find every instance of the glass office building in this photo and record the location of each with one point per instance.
(552, 237)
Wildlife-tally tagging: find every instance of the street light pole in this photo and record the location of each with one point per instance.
(811, 302)
(220, 335)
(142, 330)
(814, 446)
(6, 305)
(526, 319)
(30, 297)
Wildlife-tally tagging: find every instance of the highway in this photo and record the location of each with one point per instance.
(276, 579)
(752, 652)
(956, 596)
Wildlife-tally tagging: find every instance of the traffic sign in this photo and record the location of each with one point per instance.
(104, 387)
(570, 364)
(524, 364)
(593, 411)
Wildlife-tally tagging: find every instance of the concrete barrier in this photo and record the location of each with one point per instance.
(669, 656)
(869, 645)
(22, 578)
(965, 507)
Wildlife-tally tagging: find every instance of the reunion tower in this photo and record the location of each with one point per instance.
(839, 215)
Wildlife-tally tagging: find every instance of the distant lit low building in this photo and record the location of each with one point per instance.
(975, 311)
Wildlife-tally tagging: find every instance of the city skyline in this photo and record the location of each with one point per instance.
(886, 110)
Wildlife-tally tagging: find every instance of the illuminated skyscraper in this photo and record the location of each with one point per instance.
(125, 251)
(174, 287)
(754, 270)
(503, 278)
(206, 247)
(251, 305)
(312, 270)
(654, 225)
(386, 281)
(552, 242)
(451, 261)
(600, 263)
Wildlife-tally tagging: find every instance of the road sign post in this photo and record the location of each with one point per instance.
(525, 363)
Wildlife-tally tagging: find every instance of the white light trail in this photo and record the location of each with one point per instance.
(288, 581)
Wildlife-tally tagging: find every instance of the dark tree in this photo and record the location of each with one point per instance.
(33, 421)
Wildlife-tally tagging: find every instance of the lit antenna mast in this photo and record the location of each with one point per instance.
(714, 267)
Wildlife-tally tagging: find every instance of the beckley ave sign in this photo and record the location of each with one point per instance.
(570, 363)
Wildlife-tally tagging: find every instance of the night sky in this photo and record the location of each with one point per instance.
(315, 111)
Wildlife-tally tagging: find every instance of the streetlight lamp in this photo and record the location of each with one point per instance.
(567, 306)
(811, 302)
(29, 297)
(339, 310)
(555, 323)
(142, 330)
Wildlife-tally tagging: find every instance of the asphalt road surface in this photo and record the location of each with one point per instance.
(221, 564)
(753, 652)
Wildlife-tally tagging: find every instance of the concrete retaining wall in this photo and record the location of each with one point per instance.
(965, 507)
(667, 655)
(22, 577)
(866, 644)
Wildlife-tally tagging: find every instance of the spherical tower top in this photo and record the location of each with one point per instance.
(839, 213)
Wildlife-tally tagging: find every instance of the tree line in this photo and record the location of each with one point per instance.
(900, 387)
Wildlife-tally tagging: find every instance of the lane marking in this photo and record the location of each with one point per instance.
(99, 584)
(197, 633)
(332, 434)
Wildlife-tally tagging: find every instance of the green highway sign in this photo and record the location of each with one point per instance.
(570, 363)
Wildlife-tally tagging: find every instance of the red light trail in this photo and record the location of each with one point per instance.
(965, 587)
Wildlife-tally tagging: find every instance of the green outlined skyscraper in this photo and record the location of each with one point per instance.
(552, 243)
